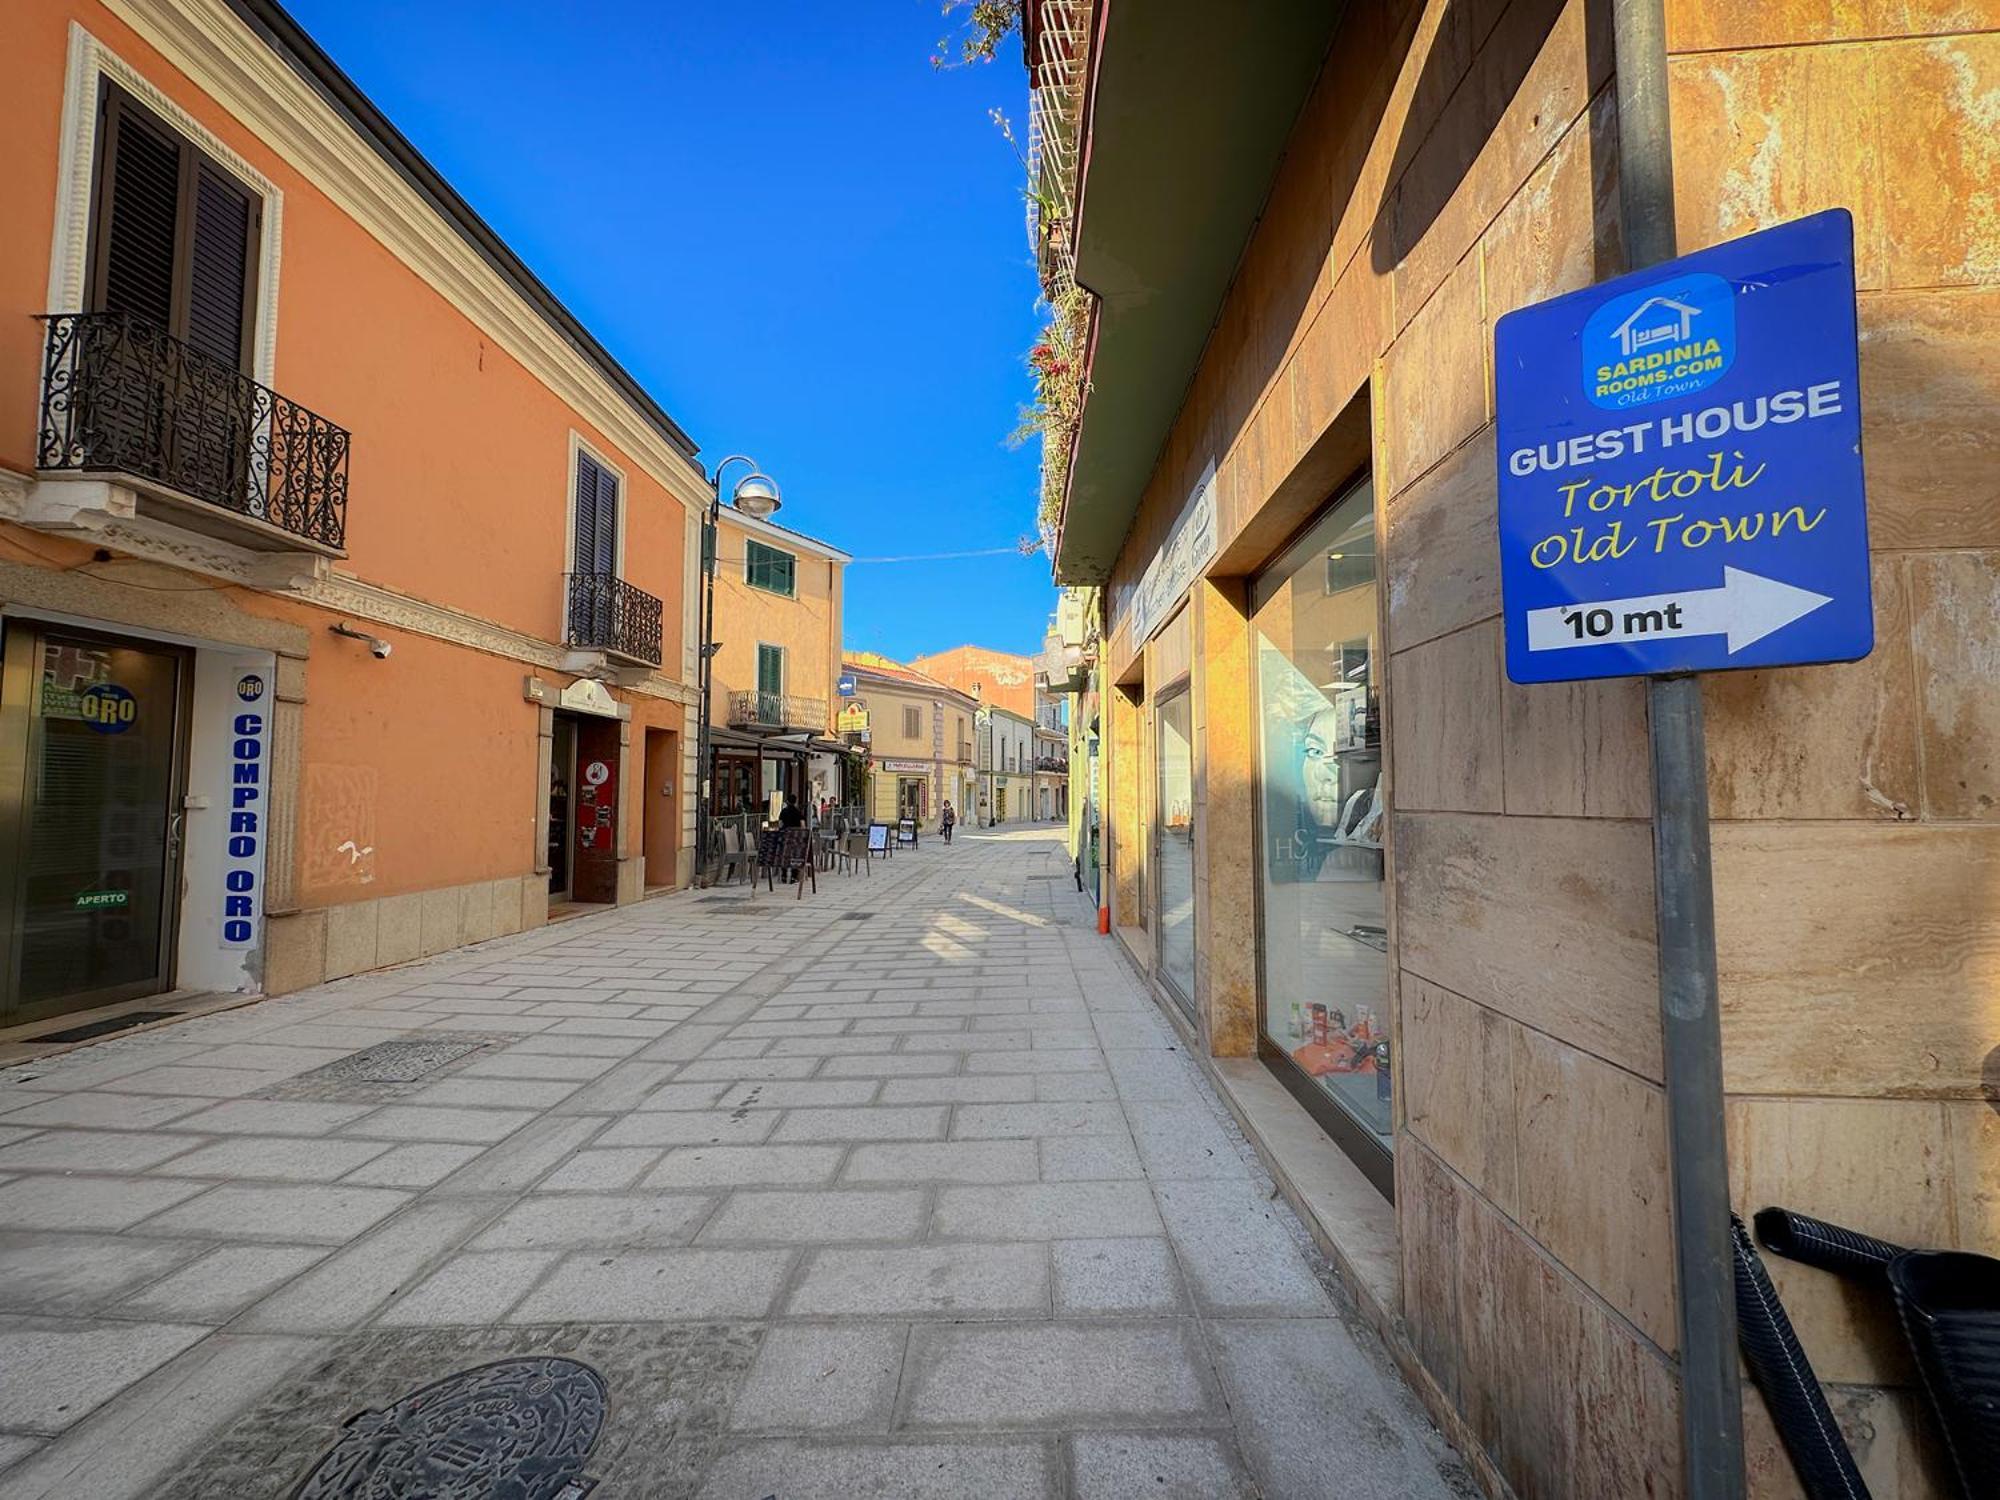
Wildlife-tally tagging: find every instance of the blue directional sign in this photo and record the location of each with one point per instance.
(1680, 465)
(844, 685)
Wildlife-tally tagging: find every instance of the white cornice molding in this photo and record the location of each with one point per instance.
(229, 63)
(344, 594)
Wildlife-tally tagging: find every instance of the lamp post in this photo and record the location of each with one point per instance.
(756, 495)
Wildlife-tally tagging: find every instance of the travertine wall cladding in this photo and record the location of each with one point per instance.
(1456, 161)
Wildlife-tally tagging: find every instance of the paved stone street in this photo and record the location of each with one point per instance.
(904, 1189)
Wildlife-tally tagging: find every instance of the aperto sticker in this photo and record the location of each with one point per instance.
(1669, 339)
(99, 900)
(107, 708)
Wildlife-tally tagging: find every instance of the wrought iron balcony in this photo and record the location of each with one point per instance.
(608, 614)
(777, 711)
(1052, 763)
(122, 399)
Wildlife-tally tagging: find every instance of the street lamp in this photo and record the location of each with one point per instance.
(756, 495)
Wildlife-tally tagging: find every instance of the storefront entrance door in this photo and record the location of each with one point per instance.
(92, 774)
(1174, 825)
(562, 779)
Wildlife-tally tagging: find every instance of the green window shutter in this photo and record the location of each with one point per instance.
(768, 568)
(770, 669)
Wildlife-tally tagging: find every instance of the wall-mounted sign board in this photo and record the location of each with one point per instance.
(1680, 465)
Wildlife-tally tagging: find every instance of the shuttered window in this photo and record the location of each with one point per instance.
(770, 669)
(174, 235)
(769, 569)
(913, 722)
(596, 517)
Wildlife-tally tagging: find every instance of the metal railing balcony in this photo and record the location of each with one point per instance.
(777, 711)
(122, 398)
(1051, 763)
(608, 614)
(1056, 34)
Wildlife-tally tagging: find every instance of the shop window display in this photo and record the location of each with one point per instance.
(1324, 911)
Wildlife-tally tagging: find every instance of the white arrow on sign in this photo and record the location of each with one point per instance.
(1746, 608)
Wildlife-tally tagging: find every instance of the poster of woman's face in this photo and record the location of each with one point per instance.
(1319, 769)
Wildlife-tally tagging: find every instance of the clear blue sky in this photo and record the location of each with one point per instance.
(805, 241)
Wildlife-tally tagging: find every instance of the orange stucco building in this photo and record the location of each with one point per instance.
(999, 678)
(347, 582)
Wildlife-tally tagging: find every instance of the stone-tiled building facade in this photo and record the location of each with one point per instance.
(1285, 480)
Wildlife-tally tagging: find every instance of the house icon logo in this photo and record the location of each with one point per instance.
(1657, 320)
(1665, 340)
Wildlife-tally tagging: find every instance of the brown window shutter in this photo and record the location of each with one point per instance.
(607, 520)
(218, 295)
(586, 514)
(138, 217)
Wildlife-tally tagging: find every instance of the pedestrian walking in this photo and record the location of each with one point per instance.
(947, 820)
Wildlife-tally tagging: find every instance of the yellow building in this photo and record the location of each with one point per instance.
(919, 738)
(777, 652)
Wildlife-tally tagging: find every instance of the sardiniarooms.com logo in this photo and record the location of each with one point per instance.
(1669, 339)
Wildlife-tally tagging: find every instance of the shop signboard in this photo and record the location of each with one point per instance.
(1188, 550)
(1680, 465)
(242, 868)
(852, 718)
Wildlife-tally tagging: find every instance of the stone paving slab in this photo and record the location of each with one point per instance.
(958, 1281)
(924, 1205)
(1151, 1374)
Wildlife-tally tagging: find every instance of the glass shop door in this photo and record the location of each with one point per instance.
(93, 759)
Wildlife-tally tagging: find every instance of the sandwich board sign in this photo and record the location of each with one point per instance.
(1680, 465)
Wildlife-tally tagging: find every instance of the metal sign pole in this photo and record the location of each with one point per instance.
(1690, 1024)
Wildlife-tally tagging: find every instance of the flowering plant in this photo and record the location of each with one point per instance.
(986, 25)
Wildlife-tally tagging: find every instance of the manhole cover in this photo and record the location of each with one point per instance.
(517, 1429)
(386, 1070)
(676, 1385)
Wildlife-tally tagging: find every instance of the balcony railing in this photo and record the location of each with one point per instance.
(1056, 34)
(608, 614)
(121, 397)
(1051, 763)
(782, 711)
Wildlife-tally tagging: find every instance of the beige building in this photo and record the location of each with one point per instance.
(918, 737)
(1446, 1033)
(1006, 766)
(777, 636)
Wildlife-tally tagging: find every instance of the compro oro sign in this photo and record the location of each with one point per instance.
(1680, 465)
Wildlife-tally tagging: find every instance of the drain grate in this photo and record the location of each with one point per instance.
(855, 916)
(101, 1028)
(516, 1427)
(386, 1070)
(722, 900)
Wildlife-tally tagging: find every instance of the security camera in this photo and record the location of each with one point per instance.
(377, 647)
